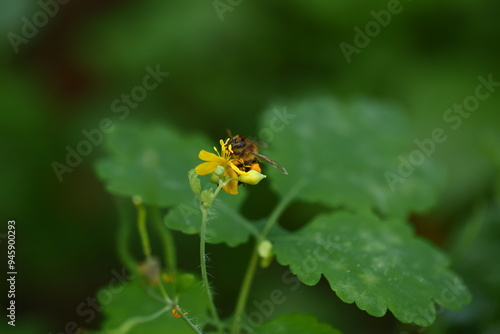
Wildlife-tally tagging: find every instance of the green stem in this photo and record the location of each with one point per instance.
(164, 292)
(167, 240)
(186, 319)
(278, 210)
(252, 266)
(204, 276)
(203, 260)
(123, 237)
(143, 232)
(244, 291)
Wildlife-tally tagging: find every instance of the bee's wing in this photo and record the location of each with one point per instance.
(271, 162)
(260, 143)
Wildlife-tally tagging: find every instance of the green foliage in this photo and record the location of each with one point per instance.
(337, 154)
(226, 224)
(343, 151)
(132, 309)
(153, 163)
(377, 264)
(72, 68)
(296, 324)
(150, 162)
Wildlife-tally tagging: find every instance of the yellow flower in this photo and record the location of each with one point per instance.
(225, 158)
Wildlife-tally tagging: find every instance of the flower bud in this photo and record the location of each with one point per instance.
(265, 250)
(214, 179)
(137, 200)
(219, 171)
(252, 177)
(206, 198)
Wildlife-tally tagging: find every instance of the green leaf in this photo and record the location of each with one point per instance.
(124, 302)
(225, 223)
(377, 264)
(150, 161)
(153, 162)
(296, 323)
(343, 152)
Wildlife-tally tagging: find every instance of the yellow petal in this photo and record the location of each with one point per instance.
(232, 186)
(207, 156)
(206, 168)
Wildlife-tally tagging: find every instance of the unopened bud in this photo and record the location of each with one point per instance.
(252, 177)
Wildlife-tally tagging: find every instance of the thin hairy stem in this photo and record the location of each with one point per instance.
(244, 291)
(204, 275)
(186, 319)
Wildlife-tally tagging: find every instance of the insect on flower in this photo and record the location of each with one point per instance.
(236, 163)
(247, 152)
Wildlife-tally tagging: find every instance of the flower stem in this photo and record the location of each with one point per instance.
(143, 232)
(186, 319)
(278, 210)
(123, 236)
(204, 276)
(164, 292)
(167, 240)
(252, 266)
(244, 291)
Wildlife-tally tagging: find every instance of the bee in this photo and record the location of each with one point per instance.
(247, 150)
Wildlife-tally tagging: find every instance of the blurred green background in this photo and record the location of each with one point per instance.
(222, 74)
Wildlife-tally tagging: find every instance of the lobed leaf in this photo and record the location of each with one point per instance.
(149, 161)
(296, 324)
(225, 223)
(377, 264)
(153, 162)
(344, 152)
